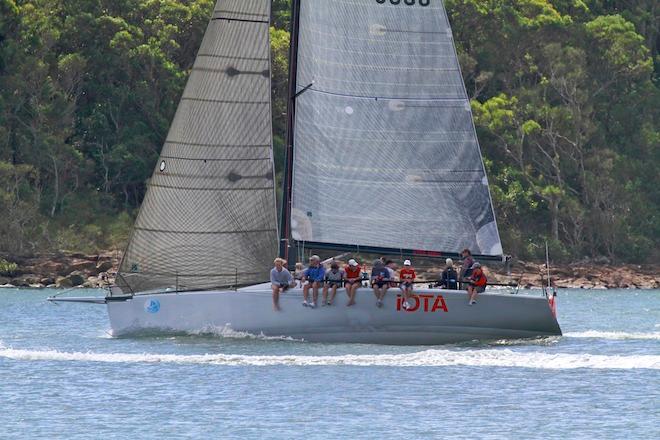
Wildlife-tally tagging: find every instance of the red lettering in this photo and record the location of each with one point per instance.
(416, 306)
(426, 301)
(399, 302)
(439, 304)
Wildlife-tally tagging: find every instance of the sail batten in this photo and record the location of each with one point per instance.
(208, 218)
(385, 152)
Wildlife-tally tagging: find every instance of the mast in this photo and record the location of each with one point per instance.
(285, 216)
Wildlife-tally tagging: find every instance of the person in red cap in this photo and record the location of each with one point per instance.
(407, 277)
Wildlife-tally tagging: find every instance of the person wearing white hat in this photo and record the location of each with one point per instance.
(407, 277)
(353, 280)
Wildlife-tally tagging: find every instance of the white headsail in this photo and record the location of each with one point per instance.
(209, 218)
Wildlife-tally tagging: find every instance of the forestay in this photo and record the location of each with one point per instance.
(385, 150)
(209, 218)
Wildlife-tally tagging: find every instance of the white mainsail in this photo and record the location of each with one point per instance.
(385, 151)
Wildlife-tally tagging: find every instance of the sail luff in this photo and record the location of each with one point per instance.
(285, 224)
(209, 215)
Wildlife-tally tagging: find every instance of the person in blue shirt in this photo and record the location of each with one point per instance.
(312, 278)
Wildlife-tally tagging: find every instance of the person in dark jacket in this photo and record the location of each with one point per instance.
(449, 276)
(380, 281)
(466, 268)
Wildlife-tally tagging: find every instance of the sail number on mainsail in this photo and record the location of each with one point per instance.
(406, 2)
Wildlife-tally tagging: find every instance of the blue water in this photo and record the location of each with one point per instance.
(62, 376)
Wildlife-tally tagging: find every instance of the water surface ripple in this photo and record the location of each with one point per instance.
(62, 376)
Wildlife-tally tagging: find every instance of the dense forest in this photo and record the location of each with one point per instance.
(565, 95)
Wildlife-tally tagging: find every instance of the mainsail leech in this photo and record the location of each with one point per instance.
(385, 150)
(209, 217)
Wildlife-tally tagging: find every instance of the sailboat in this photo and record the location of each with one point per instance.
(382, 157)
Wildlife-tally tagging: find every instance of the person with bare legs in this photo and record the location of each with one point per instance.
(407, 277)
(477, 283)
(280, 280)
(380, 281)
(353, 280)
(312, 278)
(333, 280)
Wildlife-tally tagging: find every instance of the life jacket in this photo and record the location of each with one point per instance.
(479, 280)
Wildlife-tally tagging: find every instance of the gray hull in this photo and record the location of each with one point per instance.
(440, 317)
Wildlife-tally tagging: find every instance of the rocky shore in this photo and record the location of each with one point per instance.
(585, 275)
(61, 270)
(67, 270)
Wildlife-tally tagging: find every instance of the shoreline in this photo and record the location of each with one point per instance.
(66, 270)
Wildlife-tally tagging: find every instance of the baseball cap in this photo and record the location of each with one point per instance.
(315, 257)
(476, 265)
(352, 262)
(449, 262)
(407, 263)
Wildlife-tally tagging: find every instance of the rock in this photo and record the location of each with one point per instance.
(26, 280)
(4, 280)
(83, 266)
(76, 278)
(104, 266)
(47, 281)
(19, 282)
(63, 283)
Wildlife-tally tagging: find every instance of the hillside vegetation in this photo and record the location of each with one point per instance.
(564, 92)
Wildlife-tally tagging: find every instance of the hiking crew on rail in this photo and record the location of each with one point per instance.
(471, 277)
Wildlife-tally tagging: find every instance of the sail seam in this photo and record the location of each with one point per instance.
(223, 11)
(251, 159)
(156, 185)
(193, 144)
(459, 101)
(165, 231)
(241, 20)
(231, 57)
(223, 101)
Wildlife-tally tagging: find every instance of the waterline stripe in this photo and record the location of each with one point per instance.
(426, 358)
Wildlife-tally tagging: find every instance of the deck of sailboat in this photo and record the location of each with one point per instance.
(443, 316)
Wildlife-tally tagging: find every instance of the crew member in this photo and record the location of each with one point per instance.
(466, 268)
(380, 281)
(353, 280)
(333, 280)
(478, 282)
(449, 276)
(313, 276)
(281, 280)
(407, 277)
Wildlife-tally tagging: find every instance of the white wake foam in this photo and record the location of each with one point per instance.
(426, 358)
(228, 332)
(613, 335)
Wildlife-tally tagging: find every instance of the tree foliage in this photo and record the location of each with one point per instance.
(564, 93)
